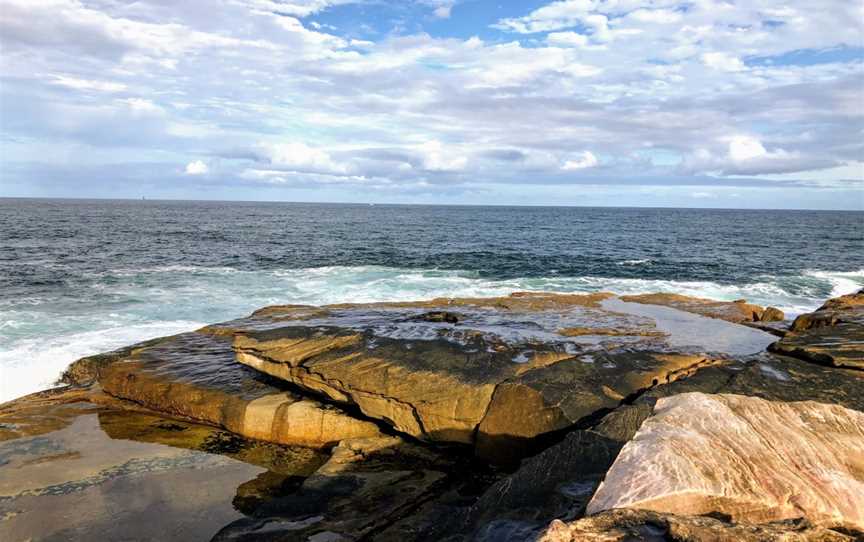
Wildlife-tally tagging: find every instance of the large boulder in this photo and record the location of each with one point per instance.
(195, 376)
(832, 335)
(743, 458)
(495, 373)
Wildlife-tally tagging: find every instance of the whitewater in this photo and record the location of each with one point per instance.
(41, 336)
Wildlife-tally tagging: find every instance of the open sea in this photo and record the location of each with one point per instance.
(78, 277)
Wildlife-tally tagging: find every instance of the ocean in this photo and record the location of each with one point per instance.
(78, 277)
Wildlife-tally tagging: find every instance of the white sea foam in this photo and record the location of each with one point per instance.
(39, 337)
(636, 262)
(34, 364)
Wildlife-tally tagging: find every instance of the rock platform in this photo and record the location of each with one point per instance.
(532, 416)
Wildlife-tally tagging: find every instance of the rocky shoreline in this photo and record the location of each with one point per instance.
(528, 417)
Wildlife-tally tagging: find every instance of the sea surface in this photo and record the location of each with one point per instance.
(78, 277)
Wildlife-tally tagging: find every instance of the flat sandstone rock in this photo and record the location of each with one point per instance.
(744, 458)
(195, 376)
(493, 372)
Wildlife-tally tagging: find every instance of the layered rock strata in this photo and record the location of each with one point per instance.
(496, 373)
(573, 377)
(746, 458)
(832, 335)
(195, 376)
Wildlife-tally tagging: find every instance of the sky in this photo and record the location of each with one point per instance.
(700, 103)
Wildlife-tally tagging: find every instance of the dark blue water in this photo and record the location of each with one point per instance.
(78, 277)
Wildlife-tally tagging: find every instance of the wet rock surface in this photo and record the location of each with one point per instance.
(195, 376)
(507, 371)
(360, 422)
(168, 479)
(832, 335)
(737, 311)
(75, 481)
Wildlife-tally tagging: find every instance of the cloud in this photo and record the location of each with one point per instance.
(743, 148)
(746, 155)
(554, 16)
(723, 62)
(587, 160)
(299, 8)
(441, 9)
(197, 168)
(270, 95)
(437, 157)
(87, 84)
(298, 156)
(567, 39)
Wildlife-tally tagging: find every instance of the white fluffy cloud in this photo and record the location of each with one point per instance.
(723, 61)
(661, 93)
(586, 160)
(197, 167)
(298, 156)
(747, 155)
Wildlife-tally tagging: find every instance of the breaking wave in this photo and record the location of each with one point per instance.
(39, 337)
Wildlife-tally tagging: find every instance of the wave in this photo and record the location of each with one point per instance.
(39, 338)
(636, 262)
(36, 363)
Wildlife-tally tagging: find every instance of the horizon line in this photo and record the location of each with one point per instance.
(397, 204)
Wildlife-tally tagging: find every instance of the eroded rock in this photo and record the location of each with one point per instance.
(195, 376)
(508, 370)
(832, 335)
(745, 458)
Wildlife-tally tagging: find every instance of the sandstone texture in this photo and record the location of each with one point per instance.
(832, 335)
(495, 373)
(364, 422)
(745, 458)
(643, 525)
(195, 376)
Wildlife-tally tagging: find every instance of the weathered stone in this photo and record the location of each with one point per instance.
(195, 376)
(367, 485)
(832, 335)
(772, 377)
(744, 458)
(510, 369)
(647, 526)
(772, 314)
(738, 311)
(556, 483)
(520, 505)
(43, 412)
